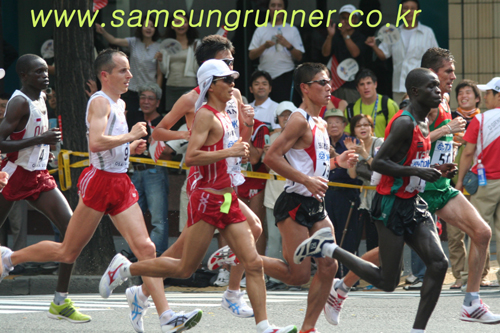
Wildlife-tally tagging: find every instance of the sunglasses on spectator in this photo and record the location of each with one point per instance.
(227, 79)
(228, 61)
(149, 98)
(320, 82)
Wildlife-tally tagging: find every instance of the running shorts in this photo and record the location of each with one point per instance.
(438, 199)
(306, 211)
(24, 184)
(206, 206)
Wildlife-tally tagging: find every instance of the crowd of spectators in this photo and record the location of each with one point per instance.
(357, 116)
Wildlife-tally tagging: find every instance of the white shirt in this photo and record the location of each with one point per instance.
(276, 60)
(266, 113)
(407, 58)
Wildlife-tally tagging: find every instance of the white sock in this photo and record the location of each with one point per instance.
(328, 249)
(142, 297)
(341, 288)
(7, 262)
(125, 271)
(232, 293)
(165, 316)
(414, 330)
(262, 326)
(59, 298)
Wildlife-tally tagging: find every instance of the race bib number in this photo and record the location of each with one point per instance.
(417, 184)
(443, 152)
(39, 157)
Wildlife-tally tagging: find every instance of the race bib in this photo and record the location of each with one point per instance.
(443, 152)
(417, 184)
(39, 157)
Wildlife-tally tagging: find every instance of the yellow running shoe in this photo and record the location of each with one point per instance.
(68, 312)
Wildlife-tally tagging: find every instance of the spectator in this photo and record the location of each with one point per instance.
(339, 200)
(273, 190)
(407, 53)
(264, 107)
(343, 42)
(362, 126)
(177, 60)
(4, 98)
(277, 46)
(380, 108)
(151, 181)
(468, 98)
(143, 49)
(483, 145)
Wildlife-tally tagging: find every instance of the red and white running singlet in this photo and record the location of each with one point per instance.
(221, 174)
(34, 157)
(312, 161)
(116, 159)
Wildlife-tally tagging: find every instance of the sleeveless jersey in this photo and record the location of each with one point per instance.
(114, 160)
(442, 148)
(312, 161)
(34, 157)
(417, 156)
(223, 173)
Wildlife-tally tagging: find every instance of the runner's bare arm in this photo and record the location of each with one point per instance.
(99, 110)
(203, 125)
(16, 116)
(183, 106)
(395, 149)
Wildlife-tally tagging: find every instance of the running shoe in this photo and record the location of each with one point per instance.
(221, 257)
(67, 312)
(479, 312)
(5, 252)
(112, 278)
(138, 308)
(312, 246)
(236, 305)
(288, 329)
(334, 305)
(222, 278)
(312, 330)
(181, 321)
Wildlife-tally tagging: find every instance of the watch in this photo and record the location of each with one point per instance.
(290, 48)
(347, 37)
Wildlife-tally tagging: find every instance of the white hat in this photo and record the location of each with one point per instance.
(206, 73)
(347, 9)
(47, 49)
(284, 106)
(494, 84)
(2, 73)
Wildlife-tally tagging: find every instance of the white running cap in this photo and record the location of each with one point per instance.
(494, 84)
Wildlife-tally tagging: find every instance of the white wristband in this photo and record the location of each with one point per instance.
(449, 128)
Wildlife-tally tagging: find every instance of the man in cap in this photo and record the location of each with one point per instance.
(215, 152)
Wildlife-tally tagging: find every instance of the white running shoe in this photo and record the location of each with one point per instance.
(181, 321)
(479, 312)
(288, 329)
(5, 252)
(138, 308)
(236, 305)
(221, 257)
(112, 278)
(222, 278)
(312, 246)
(334, 305)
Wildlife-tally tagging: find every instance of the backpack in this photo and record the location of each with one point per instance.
(385, 110)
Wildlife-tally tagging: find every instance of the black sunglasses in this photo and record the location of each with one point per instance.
(227, 79)
(228, 62)
(320, 82)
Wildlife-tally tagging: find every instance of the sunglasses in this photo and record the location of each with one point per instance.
(320, 82)
(228, 62)
(227, 79)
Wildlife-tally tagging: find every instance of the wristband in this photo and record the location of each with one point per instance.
(247, 125)
(335, 163)
(290, 48)
(449, 127)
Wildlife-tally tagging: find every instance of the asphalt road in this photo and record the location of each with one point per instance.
(363, 312)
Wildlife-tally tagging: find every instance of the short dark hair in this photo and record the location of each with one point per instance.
(416, 78)
(258, 73)
(191, 33)
(469, 83)
(434, 57)
(285, 3)
(104, 61)
(306, 72)
(24, 63)
(138, 30)
(415, 1)
(364, 73)
(210, 46)
(356, 119)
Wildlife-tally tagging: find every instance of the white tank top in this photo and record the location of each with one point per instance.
(312, 161)
(34, 157)
(114, 160)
